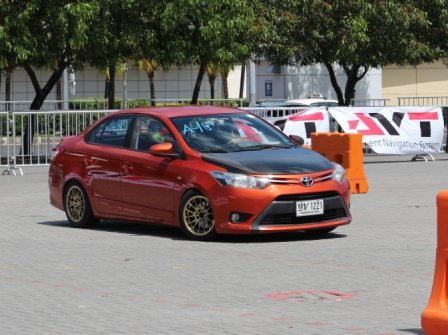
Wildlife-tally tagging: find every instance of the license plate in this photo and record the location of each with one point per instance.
(310, 207)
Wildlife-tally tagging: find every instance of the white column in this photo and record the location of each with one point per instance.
(252, 83)
(65, 90)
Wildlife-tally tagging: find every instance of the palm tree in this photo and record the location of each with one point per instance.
(212, 73)
(109, 72)
(224, 70)
(150, 66)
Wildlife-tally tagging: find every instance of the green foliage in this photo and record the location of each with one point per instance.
(369, 33)
(133, 103)
(214, 31)
(204, 32)
(355, 34)
(88, 104)
(43, 33)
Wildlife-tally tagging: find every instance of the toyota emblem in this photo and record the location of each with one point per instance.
(307, 181)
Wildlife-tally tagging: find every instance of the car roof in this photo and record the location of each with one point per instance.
(313, 101)
(181, 110)
(280, 104)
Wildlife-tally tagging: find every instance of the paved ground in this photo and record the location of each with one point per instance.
(373, 276)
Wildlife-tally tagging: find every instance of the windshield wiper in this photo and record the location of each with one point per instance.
(213, 150)
(266, 146)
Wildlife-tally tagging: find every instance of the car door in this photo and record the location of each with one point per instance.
(148, 182)
(104, 146)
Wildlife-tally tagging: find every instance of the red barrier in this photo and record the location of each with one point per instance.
(345, 149)
(435, 316)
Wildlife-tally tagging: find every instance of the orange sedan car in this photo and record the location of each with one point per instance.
(208, 170)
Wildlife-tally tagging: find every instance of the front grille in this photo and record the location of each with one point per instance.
(286, 219)
(282, 211)
(311, 196)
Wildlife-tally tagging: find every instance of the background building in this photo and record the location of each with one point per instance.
(293, 82)
(426, 80)
(272, 82)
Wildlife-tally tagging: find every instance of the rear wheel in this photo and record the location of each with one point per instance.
(196, 216)
(77, 207)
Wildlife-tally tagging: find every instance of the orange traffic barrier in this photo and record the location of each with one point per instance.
(435, 316)
(345, 149)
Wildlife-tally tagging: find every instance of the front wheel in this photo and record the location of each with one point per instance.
(196, 216)
(77, 207)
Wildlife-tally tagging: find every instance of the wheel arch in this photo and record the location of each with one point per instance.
(76, 180)
(187, 196)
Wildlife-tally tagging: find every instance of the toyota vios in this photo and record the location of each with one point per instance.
(208, 170)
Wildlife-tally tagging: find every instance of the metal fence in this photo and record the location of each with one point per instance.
(370, 102)
(208, 102)
(423, 101)
(4, 139)
(102, 104)
(274, 112)
(55, 105)
(31, 136)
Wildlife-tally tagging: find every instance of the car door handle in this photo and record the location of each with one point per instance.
(87, 161)
(126, 167)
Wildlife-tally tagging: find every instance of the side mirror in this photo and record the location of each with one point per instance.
(163, 150)
(297, 139)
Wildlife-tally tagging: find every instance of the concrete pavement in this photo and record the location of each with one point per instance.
(373, 276)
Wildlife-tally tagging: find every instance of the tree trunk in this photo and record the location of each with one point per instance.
(152, 89)
(59, 94)
(225, 85)
(355, 78)
(106, 87)
(352, 79)
(211, 80)
(41, 95)
(111, 93)
(334, 83)
(197, 86)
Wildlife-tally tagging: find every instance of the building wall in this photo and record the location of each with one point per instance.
(177, 83)
(294, 82)
(426, 80)
(272, 82)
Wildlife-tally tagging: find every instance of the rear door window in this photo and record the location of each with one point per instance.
(112, 132)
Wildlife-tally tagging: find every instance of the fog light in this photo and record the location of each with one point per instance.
(239, 217)
(235, 217)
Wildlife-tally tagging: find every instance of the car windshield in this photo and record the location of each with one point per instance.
(229, 133)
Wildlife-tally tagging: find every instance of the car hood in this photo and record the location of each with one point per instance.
(271, 161)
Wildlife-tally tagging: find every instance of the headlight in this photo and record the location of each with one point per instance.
(338, 173)
(240, 180)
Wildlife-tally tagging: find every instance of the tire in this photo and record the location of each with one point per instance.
(196, 216)
(77, 207)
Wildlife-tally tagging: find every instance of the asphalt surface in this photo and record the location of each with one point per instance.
(373, 276)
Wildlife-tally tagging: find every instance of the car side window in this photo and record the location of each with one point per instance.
(148, 131)
(111, 132)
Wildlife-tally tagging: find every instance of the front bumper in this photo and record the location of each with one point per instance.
(282, 211)
(274, 209)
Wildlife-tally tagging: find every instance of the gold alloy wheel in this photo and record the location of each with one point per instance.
(198, 216)
(75, 203)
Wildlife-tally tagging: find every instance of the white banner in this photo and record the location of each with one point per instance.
(394, 130)
(309, 121)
